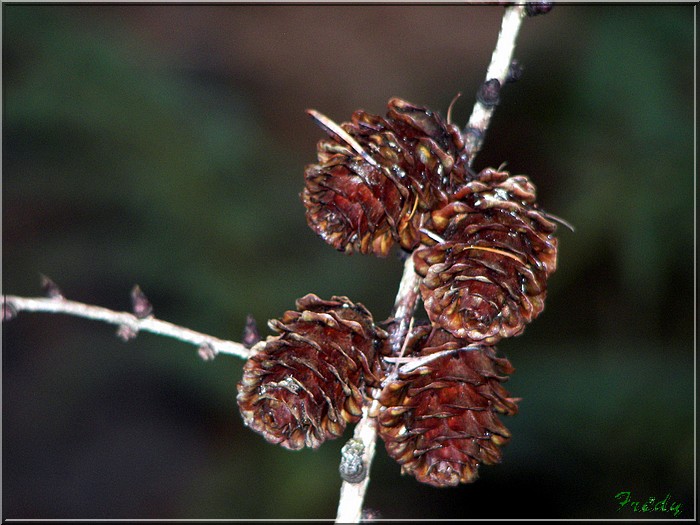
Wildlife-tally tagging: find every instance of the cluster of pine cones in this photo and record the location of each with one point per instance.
(483, 250)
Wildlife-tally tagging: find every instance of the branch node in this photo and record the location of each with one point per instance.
(9, 311)
(515, 71)
(251, 337)
(127, 332)
(369, 516)
(352, 465)
(50, 288)
(473, 137)
(488, 93)
(207, 352)
(140, 304)
(538, 8)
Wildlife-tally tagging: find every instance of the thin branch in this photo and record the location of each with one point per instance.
(496, 76)
(352, 494)
(129, 324)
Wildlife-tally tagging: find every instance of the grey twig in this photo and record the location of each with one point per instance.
(352, 494)
(128, 323)
(496, 76)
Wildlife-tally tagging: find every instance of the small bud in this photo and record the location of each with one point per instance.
(140, 305)
(473, 137)
(488, 93)
(50, 288)
(538, 8)
(250, 332)
(515, 71)
(370, 515)
(126, 332)
(352, 467)
(207, 352)
(9, 311)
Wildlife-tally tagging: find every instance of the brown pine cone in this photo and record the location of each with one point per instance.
(303, 386)
(440, 421)
(372, 187)
(488, 279)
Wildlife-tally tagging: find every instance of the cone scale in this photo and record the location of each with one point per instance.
(483, 250)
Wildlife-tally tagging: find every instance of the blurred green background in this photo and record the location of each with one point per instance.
(164, 145)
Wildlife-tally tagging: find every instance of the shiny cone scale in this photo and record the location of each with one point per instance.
(487, 277)
(440, 421)
(303, 386)
(377, 178)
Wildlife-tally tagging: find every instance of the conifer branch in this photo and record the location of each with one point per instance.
(129, 323)
(496, 76)
(352, 494)
(365, 434)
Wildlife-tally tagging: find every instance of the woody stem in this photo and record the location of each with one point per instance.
(352, 494)
(498, 71)
(12, 305)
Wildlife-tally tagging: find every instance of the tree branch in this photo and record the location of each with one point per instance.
(496, 75)
(352, 494)
(129, 324)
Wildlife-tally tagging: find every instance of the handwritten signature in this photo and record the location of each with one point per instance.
(652, 504)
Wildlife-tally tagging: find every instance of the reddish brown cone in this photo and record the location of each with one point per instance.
(303, 386)
(440, 421)
(373, 186)
(488, 279)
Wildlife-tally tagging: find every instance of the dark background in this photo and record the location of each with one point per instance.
(165, 146)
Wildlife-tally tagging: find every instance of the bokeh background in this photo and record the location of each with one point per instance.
(164, 145)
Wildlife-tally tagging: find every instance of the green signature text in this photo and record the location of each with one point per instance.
(651, 504)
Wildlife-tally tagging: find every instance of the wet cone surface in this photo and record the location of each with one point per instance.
(440, 422)
(488, 278)
(303, 386)
(377, 177)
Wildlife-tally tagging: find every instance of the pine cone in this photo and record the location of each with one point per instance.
(301, 387)
(440, 421)
(367, 195)
(488, 279)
